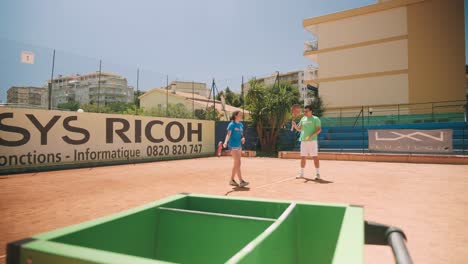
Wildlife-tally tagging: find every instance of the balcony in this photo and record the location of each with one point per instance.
(311, 50)
(114, 92)
(311, 75)
(312, 29)
(310, 45)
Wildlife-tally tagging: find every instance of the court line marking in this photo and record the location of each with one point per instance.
(276, 182)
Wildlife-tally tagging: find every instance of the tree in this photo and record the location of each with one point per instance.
(136, 99)
(132, 110)
(269, 108)
(174, 110)
(237, 102)
(218, 96)
(207, 114)
(231, 98)
(318, 106)
(315, 101)
(70, 105)
(119, 107)
(92, 108)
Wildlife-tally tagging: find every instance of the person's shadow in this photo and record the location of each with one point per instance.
(320, 181)
(237, 189)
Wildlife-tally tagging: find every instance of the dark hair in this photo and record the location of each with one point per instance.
(234, 114)
(309, 107)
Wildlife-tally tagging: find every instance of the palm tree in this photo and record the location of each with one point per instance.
(269, 108)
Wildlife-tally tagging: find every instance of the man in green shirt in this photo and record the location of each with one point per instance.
(310, 127)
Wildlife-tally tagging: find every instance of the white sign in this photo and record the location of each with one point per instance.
(27, 57)
(30, 139)
(411, 140)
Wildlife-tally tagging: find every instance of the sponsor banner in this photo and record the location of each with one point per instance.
(411, 140)
(36, 138)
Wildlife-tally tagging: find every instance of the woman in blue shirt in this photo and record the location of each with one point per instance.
(235, 139)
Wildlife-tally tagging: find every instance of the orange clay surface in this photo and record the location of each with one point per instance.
(429, 202)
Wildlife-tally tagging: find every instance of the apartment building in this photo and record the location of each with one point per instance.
(91, 88)
(27, 95)
(295, 78)
(390, 52)
(158, 98)
(188, 87)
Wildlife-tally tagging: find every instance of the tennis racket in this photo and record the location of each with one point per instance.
(220, 148)
(295, 112)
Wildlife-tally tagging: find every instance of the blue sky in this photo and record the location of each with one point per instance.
(186, 40)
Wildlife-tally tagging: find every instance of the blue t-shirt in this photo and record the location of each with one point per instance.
(237, 130)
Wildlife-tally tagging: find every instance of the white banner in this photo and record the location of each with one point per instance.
(411, 140)
(35, 138)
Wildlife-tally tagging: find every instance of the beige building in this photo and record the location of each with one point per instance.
(156, 99)
(188, 87)
(294, 77)
(27, 95)
(91, 88)
(391, 52)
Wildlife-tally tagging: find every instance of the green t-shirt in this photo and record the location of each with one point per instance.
(309, 126)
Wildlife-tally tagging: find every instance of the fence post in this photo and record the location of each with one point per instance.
(193, 99)
(463, 140)
(341, 114)
(432, 112)
(465, 110)
(167, 95)
(368, 115)
(362, 128)
(398, 120)
(50, 85)
(99, 85)
(137, 105)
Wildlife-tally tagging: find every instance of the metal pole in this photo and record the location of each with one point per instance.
(99, 85)
(463, 141)
(398, 122)
(396, 240)
(383, 235)
(137, 105)
(362, 128)
(243, 99)
(432, 111)
(193, 99)
(368, 116)
(465, 110)
(51, 82)
(214, 102)
(340, 116)
(167, 95)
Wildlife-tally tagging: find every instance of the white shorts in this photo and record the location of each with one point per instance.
(309, 148)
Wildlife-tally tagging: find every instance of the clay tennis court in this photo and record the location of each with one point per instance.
(429, 202)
